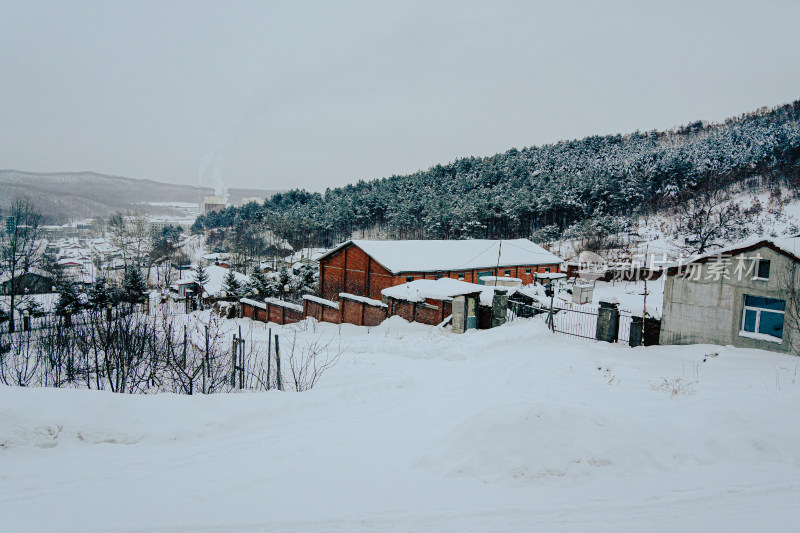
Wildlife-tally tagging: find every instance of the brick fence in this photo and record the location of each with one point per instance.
(361, 311)
(272, 310)
(321, 309)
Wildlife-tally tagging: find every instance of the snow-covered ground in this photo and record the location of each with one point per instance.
(417, 429)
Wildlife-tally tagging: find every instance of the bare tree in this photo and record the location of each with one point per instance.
(709, 219)
(309, 361)
(131, 234)
(20, 246)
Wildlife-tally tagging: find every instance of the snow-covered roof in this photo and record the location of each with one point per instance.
(254, 303)
(282, 303)
(6, 276)
(436, 289)
(443, 289)
(321, 301)
(448, 255)
(788, 245)
(550, 275)
(500, 278)
(362, 299)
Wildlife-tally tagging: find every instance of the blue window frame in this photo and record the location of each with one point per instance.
(763, 315)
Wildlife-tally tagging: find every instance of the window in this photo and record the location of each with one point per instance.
(547, 269)
(483, 274)
(762, 269)
(461, 276)
(508, 272)
(762, 316)
(409, 278)
(438, 276)
(528, 271)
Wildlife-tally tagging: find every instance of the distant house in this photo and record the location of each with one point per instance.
(741, 295)
(365, 268)
(33, 281)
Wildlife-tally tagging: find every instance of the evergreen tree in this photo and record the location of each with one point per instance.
(304, 282)
(515, 193)
(258, 286)
(134, 288)
(201, 276)
(69, 301)
(231, 285)
(101, 294)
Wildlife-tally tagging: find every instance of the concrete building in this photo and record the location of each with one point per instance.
(745, 295)
(212, 204)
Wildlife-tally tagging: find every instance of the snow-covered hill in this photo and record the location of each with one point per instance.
(762, 215)
(416, 429)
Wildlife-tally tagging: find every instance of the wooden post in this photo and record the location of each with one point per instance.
(233, 361)
(322, 279)
(278, 363)
(369, 274)
(206, 358)
(269, 356)
(344, 281)
(185, 342)
(241, 362)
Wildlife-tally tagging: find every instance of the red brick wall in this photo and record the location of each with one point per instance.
(429, 315)
(351, 311)
(273, 313)
(312, 309)
(374, 315)
(329, 314)
(403, 309)
(282, 315)
(352, 270)
(360, 313)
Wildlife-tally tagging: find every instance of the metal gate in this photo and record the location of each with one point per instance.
(577, 321)
(624, 326)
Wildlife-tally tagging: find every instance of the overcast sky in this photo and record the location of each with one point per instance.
(318, 94)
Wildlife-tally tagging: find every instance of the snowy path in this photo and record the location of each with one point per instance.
(512, 429)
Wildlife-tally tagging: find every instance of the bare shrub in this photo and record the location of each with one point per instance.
(674, 387)
(310, 360)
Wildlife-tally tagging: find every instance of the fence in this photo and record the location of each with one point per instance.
(50, 321)
(583, 322)
(577, 322)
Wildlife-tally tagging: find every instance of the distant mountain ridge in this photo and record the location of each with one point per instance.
(66, 196)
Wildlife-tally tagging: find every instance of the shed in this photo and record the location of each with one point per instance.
(432, 301)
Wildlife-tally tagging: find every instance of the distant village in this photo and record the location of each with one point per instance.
(741, 295)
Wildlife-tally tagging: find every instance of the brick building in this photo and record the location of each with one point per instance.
(365, 268)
